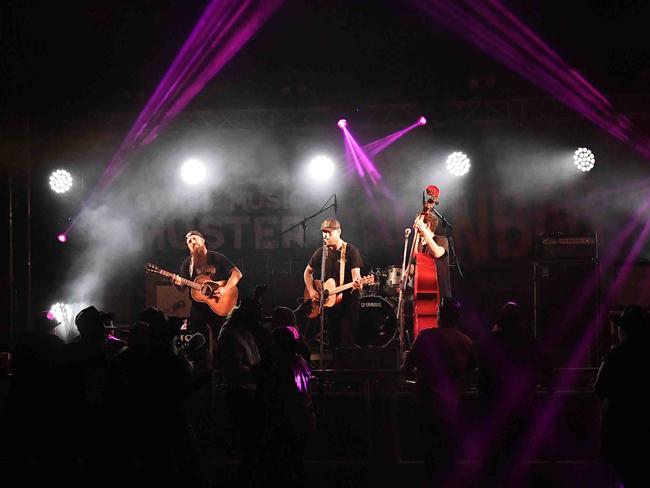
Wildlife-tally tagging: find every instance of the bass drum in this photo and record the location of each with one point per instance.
(377, 322)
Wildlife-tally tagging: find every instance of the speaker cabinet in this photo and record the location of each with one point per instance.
(566, 317)
(172, 301)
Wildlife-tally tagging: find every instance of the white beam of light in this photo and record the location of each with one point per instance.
(458, 164)
(321, 168)
(193, 171)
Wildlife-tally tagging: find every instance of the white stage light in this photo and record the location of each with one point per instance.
(193, 171)
(584, 159)
(65, 314)
(321, 168)
(458, 163)
(60, 181)
(62, 312)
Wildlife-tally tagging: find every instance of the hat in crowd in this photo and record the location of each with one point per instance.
(282, 316)
(45, 321)
(194, 233)
(159, 322)
(92, 315)
(330, 224)
(152, 316)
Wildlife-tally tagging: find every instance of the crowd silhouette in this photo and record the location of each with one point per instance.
(112, 404)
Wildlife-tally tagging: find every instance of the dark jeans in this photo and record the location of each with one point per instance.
(342, 322)
(209, 324)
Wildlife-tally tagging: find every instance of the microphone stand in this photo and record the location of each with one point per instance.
(400, 299)
(304, 221)
(450, 238)
(322, 307)
(402, 285)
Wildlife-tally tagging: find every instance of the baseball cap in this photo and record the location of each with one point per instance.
(194, 233)
(330, 224)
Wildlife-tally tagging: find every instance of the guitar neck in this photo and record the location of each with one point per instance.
(184, 281)
(341, 288)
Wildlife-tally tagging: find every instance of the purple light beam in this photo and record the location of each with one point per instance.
(375, 147)
(491, 27)
(222, 30)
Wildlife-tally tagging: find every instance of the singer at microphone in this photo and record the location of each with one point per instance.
(342, 265)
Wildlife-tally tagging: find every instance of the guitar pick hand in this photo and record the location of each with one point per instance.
(219, 292)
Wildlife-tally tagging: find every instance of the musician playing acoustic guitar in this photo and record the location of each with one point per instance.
(343, 264)
(217, 267)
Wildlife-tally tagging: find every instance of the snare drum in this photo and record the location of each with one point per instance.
(377, 322)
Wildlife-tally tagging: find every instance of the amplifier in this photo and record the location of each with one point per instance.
(171, 301)
(566, 246)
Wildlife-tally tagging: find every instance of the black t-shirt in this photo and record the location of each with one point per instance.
(332, 263)
(217, 267)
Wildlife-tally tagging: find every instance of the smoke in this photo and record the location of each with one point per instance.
(247, 169)
(112, 238)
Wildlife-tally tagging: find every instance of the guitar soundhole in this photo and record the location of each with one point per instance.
(207, 290)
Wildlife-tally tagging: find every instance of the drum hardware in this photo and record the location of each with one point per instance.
(391, 278)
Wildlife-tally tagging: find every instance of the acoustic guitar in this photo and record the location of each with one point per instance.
(203, 289)
(332, 294)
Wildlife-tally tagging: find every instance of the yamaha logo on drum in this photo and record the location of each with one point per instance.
(371, 304)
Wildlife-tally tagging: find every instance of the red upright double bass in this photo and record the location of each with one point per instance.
(426, 292)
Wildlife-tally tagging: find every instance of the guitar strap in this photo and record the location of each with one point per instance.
(342, 267)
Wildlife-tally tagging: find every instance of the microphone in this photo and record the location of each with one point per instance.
(335, 204)
(407, 232)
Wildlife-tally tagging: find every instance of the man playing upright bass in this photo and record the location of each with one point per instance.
(431, 279)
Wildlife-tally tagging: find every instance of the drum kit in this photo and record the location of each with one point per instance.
(378, 325)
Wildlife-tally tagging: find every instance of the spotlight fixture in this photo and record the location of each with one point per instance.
(422, 120)
(458, 163)
(342, 123)
(60, 181)
(193, 171)
(62, 238)
(584, 159)
(321, 168)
